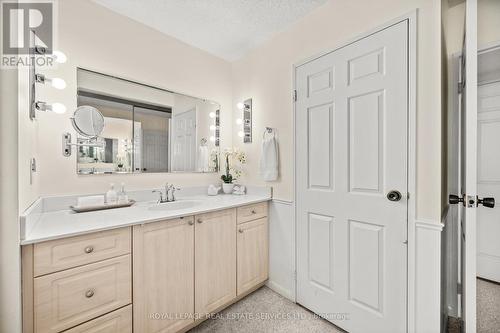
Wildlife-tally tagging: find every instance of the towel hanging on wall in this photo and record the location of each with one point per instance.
(269, 156)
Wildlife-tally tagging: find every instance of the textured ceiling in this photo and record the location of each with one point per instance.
(225, 28)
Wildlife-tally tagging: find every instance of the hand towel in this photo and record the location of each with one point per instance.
(203, 159)
(269, 159)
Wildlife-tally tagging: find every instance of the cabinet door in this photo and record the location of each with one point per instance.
(253, 254)
(163, 264)
(215, 253)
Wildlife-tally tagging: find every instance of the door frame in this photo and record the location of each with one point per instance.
(411, 17)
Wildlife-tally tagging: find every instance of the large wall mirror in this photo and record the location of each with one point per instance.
(147, 129)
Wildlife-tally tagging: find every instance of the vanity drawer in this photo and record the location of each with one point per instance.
(252, 212)
(65, 299)
(60, 254)
(119, 321)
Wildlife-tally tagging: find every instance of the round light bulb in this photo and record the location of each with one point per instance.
(240, 106)
(59, 57)
(58, 83)
(239, 121)
(211, 114)
(212, 138)
(241, 134)
(58, 108)
(212, 127)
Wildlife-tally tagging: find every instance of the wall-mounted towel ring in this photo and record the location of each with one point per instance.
(268, 130)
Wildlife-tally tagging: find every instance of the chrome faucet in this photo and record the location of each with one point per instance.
(169, 193)
(161, 199)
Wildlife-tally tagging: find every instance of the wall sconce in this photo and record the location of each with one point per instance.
(55, 107)
(55, 82)
(35, 78)
(246, 120)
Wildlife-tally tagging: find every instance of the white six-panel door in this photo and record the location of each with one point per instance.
(351, 151)
(488, 181)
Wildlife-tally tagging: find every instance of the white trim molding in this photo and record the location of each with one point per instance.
(427, 278)
(282, 248)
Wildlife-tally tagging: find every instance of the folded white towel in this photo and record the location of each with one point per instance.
(203, 159)
(94, 200)
(269, 159)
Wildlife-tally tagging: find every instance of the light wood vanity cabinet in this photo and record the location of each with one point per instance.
(72, 281)
(215, 260)
(183, 269)
(163, 275)
(253, 254)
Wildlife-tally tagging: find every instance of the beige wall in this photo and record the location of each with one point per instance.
(266, 76)
(488, 23)
(95, 38)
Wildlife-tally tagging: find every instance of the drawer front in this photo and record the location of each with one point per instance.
(71, 297)
(60, 254)
(119, 321)
(252, 212)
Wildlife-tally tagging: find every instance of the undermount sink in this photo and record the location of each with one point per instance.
(176, 205)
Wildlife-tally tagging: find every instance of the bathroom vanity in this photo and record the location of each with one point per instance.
(147, 268)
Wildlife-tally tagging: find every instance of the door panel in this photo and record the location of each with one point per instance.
(468, 171)
(164, 275)
(351, 134)
(253, 254)
(488, 226)
(215, 260)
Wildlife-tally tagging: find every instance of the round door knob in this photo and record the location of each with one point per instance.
(486, 202)
(89, 249)
(394, 195)
(89, 293)
(199, 220)
(240, 231)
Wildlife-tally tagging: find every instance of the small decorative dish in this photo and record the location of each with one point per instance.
(83, 209)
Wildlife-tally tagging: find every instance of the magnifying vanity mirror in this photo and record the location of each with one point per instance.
(141, 128)
(88, 121)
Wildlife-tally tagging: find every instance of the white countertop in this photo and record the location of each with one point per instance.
(40, 223)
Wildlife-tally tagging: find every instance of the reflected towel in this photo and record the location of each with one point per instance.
(203, 159)
(269, 159)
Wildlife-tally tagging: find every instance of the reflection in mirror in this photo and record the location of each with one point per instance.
(147, 129)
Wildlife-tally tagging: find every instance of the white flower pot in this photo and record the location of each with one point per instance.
(227, 188)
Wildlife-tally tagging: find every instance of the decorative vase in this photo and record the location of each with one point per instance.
(227, 188)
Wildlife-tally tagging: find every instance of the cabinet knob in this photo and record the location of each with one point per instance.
(253, 211)
(199, 220)
(191, 222)
(89, 249)
(240, 231)
(89, 293)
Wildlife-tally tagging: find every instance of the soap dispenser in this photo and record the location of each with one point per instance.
(111, 195)
(122, 195)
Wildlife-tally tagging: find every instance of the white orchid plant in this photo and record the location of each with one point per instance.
(235, 159)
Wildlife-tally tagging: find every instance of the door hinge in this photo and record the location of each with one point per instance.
(459, 288)
(295, 96)
(295, 276)
(460, 87)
